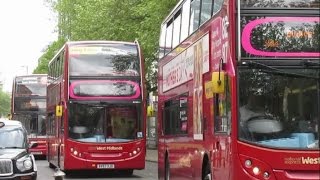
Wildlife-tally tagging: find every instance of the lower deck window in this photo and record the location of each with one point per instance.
(175, 115)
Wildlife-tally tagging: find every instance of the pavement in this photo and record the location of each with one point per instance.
(152, 155)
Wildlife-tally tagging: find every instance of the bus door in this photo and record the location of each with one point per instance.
(61, 139)
(60, 114)
(221, 154)
(180, 151)
(59, 134)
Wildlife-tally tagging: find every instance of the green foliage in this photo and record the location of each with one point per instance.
(44, 60)
(4, 104)
(124, 20)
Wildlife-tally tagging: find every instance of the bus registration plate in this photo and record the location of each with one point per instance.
(105, 166)
(37, 153)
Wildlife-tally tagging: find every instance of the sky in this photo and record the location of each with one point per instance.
(26, 28)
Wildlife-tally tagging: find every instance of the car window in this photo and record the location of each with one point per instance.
(12, 137)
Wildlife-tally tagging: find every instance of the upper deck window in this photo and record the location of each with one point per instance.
(195, 15)
(104, 59)
(162, 41)
(104, 88)
(205, 10)
(280, 4)
(185, 20)
(31, 86)
(169, 36)
(176, 29)
(217, 6)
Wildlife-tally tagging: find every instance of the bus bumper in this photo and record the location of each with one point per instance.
(104, 161)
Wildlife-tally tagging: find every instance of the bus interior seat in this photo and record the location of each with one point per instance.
(264, 126)
(80, 130)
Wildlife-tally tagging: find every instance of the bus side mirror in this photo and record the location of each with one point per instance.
(33, 144)
(58, 111)
(217, 80)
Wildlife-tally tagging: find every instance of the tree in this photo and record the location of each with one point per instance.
(44, 60)
(125, 20)
(4, 104)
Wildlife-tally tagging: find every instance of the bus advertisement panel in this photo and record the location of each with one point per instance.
(29, 107)
(97, 107)
(252, 111)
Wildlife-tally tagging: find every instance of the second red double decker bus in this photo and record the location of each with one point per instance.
(97, 107)
(28, 105)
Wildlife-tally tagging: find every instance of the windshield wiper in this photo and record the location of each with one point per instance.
(99, 104)
(310, 63)
(93, 103)
(277, 71)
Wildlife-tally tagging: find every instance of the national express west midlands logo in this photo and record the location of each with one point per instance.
(111, 148)
(302, 160)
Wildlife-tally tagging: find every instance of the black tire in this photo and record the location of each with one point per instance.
(35, 176)
(48, 150)
(51, 165)
(207, 173)
(128, 172)
(167, 169)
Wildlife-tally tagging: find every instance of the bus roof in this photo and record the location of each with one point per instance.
(172, 11)
(31, 75)
(98, 42)
(89, 42)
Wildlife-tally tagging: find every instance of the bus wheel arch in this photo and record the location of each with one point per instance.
(52, 166)
(206, 168)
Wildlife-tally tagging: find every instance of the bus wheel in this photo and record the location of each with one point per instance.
(128, 172)
(167, 169)
(51, 165)
(207, 172)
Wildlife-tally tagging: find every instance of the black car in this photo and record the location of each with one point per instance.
(16, 162)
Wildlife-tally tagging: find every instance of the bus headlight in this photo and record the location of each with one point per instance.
(256, 171)
(75, 153)
(24, 164)
(256, 168)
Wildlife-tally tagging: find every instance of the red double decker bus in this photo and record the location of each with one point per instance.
(97, 107)
(28, 105)
(238, 89)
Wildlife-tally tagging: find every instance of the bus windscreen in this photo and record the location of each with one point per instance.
(104, 124)
(38, 105)
(103, 60)
(280, 108)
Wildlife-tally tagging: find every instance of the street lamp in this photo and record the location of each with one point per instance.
(26, 68)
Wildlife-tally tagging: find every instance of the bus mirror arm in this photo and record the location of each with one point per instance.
(217, 79)
(64, 104)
